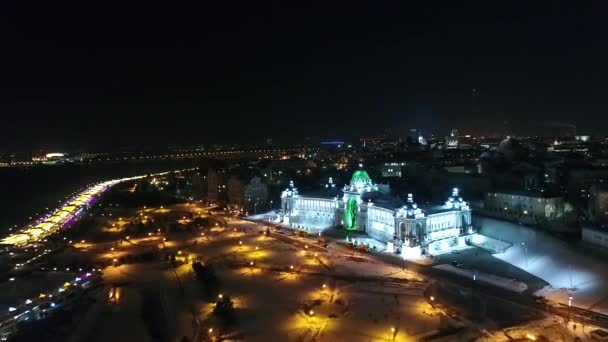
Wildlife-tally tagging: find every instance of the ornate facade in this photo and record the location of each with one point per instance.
(408, 230)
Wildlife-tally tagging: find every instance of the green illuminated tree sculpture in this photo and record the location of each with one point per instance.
(350, 214)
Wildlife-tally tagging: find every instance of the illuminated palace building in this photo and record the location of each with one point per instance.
(408, 230)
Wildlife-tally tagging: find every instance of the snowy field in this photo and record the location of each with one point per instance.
(570, 270)
(507, 284)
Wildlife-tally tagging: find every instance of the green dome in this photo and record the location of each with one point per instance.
(360, 177)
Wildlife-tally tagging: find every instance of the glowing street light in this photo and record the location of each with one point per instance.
(220, 296)
(569, 305)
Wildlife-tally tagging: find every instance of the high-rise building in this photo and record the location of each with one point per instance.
(197, 186)
(216, 186)
(452, 141)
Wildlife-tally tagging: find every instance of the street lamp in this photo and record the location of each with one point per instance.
(525, 252)
(569, 305)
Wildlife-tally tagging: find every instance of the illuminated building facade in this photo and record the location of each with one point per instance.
(409, 230)
(452, 141)
(525, 207)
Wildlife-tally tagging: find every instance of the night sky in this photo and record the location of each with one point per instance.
(117, 75)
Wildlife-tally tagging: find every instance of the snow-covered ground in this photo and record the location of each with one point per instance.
(508, 284)
(569, 270)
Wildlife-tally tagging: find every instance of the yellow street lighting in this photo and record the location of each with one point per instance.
(291, 267)
(179, 252)
(240, 242)
(324, 286)
(311, 313)
(210, 330)
(531, 337)
(112, 249)
(251, 263)
(220, 296)
(256, 248)
(306, 246)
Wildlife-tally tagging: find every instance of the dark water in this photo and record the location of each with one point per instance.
(25, 192)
